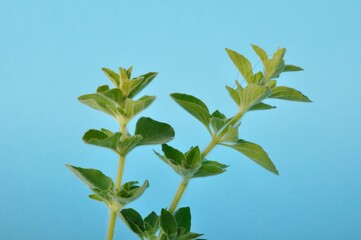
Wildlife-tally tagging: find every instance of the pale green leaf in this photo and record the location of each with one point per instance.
(260, 52)
(101, 103)
(102, 138)
(113, 76)
(129, 192)
(133, 107)
(261, 106)
(140, 83)
(286, 93)
(194, 106)
(256, 153)
(253, 94)
(153, 132)
(242, 64)
(275, 65)
(234, 95)
(128, 143)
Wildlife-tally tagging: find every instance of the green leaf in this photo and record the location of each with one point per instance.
(231, 134)
(257, 78)
(291, 68)
(183, 218)
(101, 103)
(128, 143)
(286, 93)
(261, 106)
(254, 94)
(140, 83)
(114, 94)
(152, 223)
(133, 107)
(190, 236)
(261, 53)
(153, 132)
(234, 95)
(103, 138)
(134, 220)
(256, 153)
(113, 76)
(242, 64)
(193, 158)
(129, 192)
(173, 154)
(210, 168)
(102, 88)
(94, 178)
(194, 106)
(275, 65)
(168, 223)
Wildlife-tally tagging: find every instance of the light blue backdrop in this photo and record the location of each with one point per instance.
(52, 51)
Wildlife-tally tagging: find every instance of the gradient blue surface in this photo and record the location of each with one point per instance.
(52, 51)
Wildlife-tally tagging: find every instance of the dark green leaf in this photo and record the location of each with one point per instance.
(134, 221)
(102, 88)
(292, 68)
(94, 178)
(183, 218)
(190, 236)
(113, 76)
(286, 93)
(242, 64)
(173, 154)
(193, 157)
(168, 223)
(256, 153)
(261, 106)
(153, 132)
(210, 168)
(194, 106)
(152, 223)
(102, 138)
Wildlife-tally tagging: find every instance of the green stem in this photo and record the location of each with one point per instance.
(179, 194)
(113, 212)
(111, 226)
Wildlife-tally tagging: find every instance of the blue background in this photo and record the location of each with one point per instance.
(52, 51)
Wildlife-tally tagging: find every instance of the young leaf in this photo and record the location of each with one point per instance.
(173, 154)
(286, 93)
(192, 158)
(94, 178)
(254, 94)
(102, 88)
(231, 134)
(101, 103)
(183, 218)
(132, 108)
(113, 76)
(152, 223)
(168, 223)
(256, 153)
(234, 95)
(275, 65)
(129, 192)
(134, 220)
(261, 53)
(210, 168)
(291, 68)
(114, 94)
(242, 64)
(140, 83)
(194, 106)
(102, 138)
(128, 143)
(153, 132)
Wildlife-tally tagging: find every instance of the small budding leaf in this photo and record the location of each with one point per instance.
(129, 192)
(101, 103)
(261, 53)
(140, 83)
(133, 107)
(290, 94)
(255, 153)
(113, 76)
(152, 223)
(153, 132)
(194, 106)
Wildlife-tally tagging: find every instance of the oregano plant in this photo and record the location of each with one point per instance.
(118, 101)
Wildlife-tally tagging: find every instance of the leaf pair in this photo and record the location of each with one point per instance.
(147, 132)
(103, 186)
(190, 164)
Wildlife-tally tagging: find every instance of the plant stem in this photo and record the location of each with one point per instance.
(111, 226)
(178, 195)
(113, 212)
